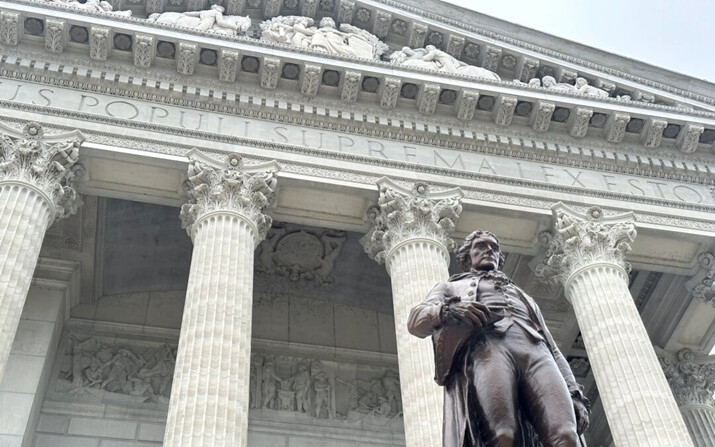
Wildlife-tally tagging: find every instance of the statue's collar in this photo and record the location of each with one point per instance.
(490, 274)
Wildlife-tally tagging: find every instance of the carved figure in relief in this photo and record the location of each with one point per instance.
(321, 384)
(122, 367)
(550, 83)
(505, 381)
(533, 82)
(298, 31)
(93, 5)
(302, 383)
(95, 371)
(162, 371)
(391, 384)
(585, 89)
(268, 384)
(431, 58)
(211, 20)
(81, 362)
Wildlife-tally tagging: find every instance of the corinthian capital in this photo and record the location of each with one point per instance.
(47, 163)
(231, 187)
(691, 379)
(582, 239)
(403, 214)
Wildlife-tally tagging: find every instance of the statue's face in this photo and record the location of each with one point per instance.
(484, 253)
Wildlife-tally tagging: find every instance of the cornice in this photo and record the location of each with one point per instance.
(391, 7)
(362, 120)
(688, 124)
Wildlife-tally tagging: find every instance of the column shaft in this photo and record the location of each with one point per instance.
(639, 405)
(415, 267)
(700, 420)
(225, 218)
(209, 400)
(24, 217)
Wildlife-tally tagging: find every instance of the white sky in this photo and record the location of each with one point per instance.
(677, 35)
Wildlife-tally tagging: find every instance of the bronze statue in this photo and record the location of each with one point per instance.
(506, 384)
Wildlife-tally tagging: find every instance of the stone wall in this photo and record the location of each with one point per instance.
(88, 426)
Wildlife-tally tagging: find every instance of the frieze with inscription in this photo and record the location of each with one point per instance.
(489, 166)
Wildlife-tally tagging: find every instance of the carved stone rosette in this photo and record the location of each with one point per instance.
(692, 381)
(411, 235)
(226, 219)
(36, 178)
(587, 254)
(232, 188)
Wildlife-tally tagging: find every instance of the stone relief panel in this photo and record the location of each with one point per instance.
(300, 388)
(299, 254)
(304, 385)
(101, 369)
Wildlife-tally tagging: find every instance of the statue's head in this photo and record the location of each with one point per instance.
(580, 82)
(480, 251)
(218, 8)
(327, 22)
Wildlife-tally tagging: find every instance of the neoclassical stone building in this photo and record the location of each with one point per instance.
(214, 219)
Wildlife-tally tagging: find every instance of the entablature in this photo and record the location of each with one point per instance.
(245, 61)
(176, 102)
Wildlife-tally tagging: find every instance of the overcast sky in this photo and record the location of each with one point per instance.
(677, 35)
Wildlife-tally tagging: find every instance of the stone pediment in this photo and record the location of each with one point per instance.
(656, 114)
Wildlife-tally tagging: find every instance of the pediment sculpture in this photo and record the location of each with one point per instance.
(580, 87)
(92, 5)
(431, 58)
(211, 20)
(347, 40)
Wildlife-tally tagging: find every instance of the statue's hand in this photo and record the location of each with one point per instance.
(473, 313)
(582, 414)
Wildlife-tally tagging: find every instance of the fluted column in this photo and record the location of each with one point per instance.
(410, 235)
(692, 380)
(587, 254)
(36, 177)
(226, 220)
